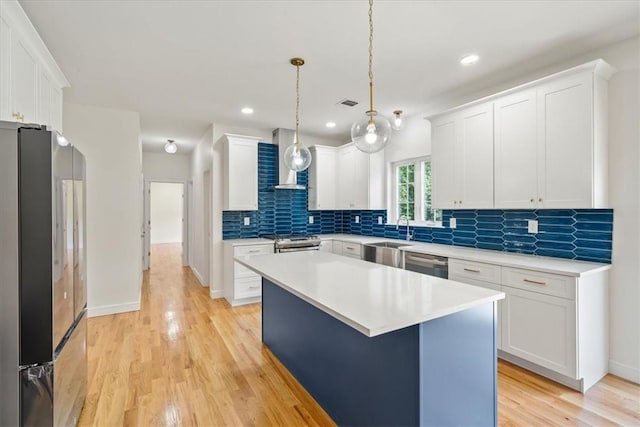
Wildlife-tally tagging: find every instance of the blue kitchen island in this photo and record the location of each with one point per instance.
(380, 346)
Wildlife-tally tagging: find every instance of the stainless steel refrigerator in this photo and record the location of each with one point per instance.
(43, 350)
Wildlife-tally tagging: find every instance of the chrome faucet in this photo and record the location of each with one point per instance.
(409, 233)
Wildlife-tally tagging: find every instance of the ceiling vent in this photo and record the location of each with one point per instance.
(348, 102)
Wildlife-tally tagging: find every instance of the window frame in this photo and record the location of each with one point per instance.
(418, 187)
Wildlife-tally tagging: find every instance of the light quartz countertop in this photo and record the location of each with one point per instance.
(372, 298)
(565, 267)
(248, 242)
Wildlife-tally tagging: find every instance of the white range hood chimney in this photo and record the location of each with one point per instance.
(287, 180)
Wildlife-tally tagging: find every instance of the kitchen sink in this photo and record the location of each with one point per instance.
(386, 253)
(394, 245)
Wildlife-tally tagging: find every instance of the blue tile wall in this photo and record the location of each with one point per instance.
(583, 234)
(279, 211)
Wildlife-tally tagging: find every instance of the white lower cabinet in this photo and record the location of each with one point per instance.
(241, 285)
(349, 249)
(552, 324)
(541, 329)
(556, 325)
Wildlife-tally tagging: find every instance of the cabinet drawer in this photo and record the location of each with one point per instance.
(240, 271)
(475, 270)
(351, 249)
(252, 250)
(542, 283)
(248, 287)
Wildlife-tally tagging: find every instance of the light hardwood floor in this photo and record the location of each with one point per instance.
(185, 359)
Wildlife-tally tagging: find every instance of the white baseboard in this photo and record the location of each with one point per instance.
(624, 371)
(198, 276)
(112, 309)
(216, 293)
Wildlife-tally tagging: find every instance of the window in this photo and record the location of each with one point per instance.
(412, 195)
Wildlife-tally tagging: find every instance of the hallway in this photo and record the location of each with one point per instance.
(185, 359)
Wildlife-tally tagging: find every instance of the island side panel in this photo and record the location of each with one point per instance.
(458, 379)
(358, 380)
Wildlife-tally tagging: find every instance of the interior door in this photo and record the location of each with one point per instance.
(146, 224)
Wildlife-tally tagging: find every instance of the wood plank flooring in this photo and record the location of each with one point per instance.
(185, 360)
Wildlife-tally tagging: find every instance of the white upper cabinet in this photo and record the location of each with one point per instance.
(24, 83)
(566, 144)
(548, 139)
(360, 179)
(322, 178)
(30, 80)
(476, 158)
(241, 173)
(516, 168)
(443, 173)
(462, 159)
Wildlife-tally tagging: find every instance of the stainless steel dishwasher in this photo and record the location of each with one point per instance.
(432, 265)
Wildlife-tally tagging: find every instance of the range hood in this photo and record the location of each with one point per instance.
(288, 178)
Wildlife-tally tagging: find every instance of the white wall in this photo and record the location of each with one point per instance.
(110, 141)
(166, 167)
(201, 161)
(166, 212)
(624, 187)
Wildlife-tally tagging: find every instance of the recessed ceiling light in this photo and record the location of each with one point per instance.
(469, 59)
(247, 110)
(331, 124)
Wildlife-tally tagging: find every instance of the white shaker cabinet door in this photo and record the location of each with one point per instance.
(443, 173)
(241, 164)
(475, 158)
(516, 170)
(541, 329)
(24, 83)
(360, 165)
(565, 143)
(322, 179)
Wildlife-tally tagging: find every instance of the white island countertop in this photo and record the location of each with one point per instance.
(372, 298)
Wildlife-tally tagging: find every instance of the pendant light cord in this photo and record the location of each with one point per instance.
(297, 105)
(371, 60)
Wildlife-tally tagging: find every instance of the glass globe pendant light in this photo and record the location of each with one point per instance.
(297, 157)
(372, 133)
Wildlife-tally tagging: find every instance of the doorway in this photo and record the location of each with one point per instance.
(165, 219)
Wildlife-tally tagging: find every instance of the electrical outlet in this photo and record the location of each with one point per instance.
(310, 219)
(532, 226)
(357, 219)
(452, 223)
(247, 220)
(379, 220)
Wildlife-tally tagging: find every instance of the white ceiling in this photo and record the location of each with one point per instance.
(186, 64)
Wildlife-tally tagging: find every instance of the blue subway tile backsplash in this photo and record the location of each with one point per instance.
(581, 234)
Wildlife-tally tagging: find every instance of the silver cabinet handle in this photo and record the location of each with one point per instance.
(535, 282)
(254, 251)
(471, 270)
(349, 247)
(254, 287)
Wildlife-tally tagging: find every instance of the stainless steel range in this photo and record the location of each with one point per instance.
(294, 242)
